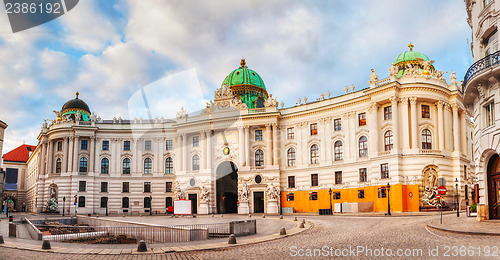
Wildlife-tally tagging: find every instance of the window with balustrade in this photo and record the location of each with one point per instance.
(259, 158)
(426, 139)
(388, 142)
(290, 155)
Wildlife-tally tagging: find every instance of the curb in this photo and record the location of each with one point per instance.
(461, 232)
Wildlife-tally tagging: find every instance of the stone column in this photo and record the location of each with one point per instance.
(351, 141)
(241, 144)
(65, 155)
(203, 156)
(178, 153)
(328, 140)
(440, 105)
(160, 161)
(247, 145)
(322, 147)
(275, 145)
(345, 129)
(98, 149)
(269, 146)
(305, 149)
(185, 158)
(405, 128)
(76, 163)
(395, 124)
(69, 158)
(414, 126)
(373, 127)
(50, 156)
(42, 159)
(463, 132)
(298, 137)
(456, 129)
(209, 149)
(448, 124)
(91, 154)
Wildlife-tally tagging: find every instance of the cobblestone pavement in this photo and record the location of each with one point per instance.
(354, 237)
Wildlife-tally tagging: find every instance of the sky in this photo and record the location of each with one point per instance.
(180, 51)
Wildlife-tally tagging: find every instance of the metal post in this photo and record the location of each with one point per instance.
(388, 200)
(106, 206)
(150, 205)
(64, 204)
(330, 192)
(441, 205)
(456, 188)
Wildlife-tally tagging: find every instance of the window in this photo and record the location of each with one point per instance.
(81, 202)
(259, 102)
(196, 141)
(426, 139)
(59, 146)
(290, 155)
(83, 164)
(258, 135)
(258, 179)
(58, 165)
(490, 44)
(338, 177)
(388, 140)
(84, 144)
(169, 144)
(388, 113)
(314, 179)
(313, 195)
(314, 154)
(147, 202)
(362, 175)
(104, 187)
(259, 158)
(337, 124)
(105, 145)
(363, 146)
(126, 187)
(291, 181)
(314, 129)
(361, 194)
(290, 132)
(148, 166)
(490, 114)
(426, 112)
(147, 187)
(169, 165)
(465, 172)
(362, 119)
(147, 145)
(105, 166)
(168, 202)
(336, 195)
(338, 151)
(126, 166)
(125, 202)
(382, 192)
(126, 145)
(466, 191)
(384, 171)
(82, 186)
(196, 162)
(168, 186)
(104, 202)
(290, 197)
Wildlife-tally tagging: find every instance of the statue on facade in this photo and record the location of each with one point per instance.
(393, 70)
(53, 193)
(298, 102)
(182, 113)
(438, 74)
(78, 116)
(453, 78)
(178, 192)
(282, 104)
(244, 193)
(205, 195)
(58, 114)
(328, 94)
(352, 88)
(51, 205)
(305, 100)
(373, 78)
(322, 96)
(430, 190)
(272, 192)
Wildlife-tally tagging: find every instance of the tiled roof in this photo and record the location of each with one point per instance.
(20, 154)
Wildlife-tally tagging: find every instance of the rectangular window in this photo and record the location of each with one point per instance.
(426, 112)
(104, 187)
(362, 175)
(147, 187)
(382, 192)
(466, 191)
(105, 145)
(388, 113)
(384, 171)
(82, 186)
(59, 146)
(290, 133)
(362, 119)
(81, 202)
(104, 202)
(291, 181)
(361, 194)
(126, 145)
(314, 129)
(314, 179)
(489, 114)
(168, 187)
(336, 195)
(258, 135)
(465, 172)
(169, 145)
(147, 145)
(338, 177)
(337, 124)
(196, 141)
(313, 195)
(126, 187)
(84, 144)
(290, 197)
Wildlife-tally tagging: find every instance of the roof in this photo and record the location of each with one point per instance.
(76, 103)
(3, 124)
(20, 154)
(410, 55)
(244, 76)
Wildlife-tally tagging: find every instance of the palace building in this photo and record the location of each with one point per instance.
(244, 153)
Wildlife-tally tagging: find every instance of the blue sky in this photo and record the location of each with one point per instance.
(108, 50)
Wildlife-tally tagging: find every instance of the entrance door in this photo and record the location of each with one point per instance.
(258, 202)
(494, 187)
(227, 188)
(194, 202)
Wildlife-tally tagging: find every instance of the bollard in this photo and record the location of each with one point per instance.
(96, 216)
(12, 230)
(249, 215)
(281, 217)
(123, 215)
(232, 239)
(46, 244)
(11, 218)
(212, 215)
(295, 219)
(301, 225)
(1, 239)
(263, 216)
(303, 220)
(283, 231)
(142, 246)
(89, 215)
(221, 215)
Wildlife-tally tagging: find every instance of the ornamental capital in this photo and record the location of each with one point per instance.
(413, 100)
(440, 104)
(454, 106)
(404, 101)
(394, 99)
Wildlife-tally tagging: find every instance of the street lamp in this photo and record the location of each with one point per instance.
(456, 189)
(64, 204)
(150, 205)
(388, 200)
(330, 191)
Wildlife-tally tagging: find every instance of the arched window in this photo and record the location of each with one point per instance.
(125, 202)
(196, 162)
(388, 140)
(338, 151)
(259, 102)
(169, 165)
(147, 202)
(290, 155)
(58, 165)
(148, 166)
(426, 139)
(363, 146)
(314, 154)
(81, 202)
(168, 202)
(83, 164)
(259, 158)
(126, 166)
(105, 166)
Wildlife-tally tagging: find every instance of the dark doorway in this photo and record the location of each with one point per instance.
(494, 187)
(258, 202)
(227, 188)
(194, 202)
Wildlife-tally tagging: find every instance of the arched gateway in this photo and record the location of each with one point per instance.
(494, 186)
(227, 188)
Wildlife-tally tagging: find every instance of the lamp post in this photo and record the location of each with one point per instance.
(106, 206)
(150, 205)
(388, 200)
(64, 204)
(2, 178)
(456, 189)
(330, 192)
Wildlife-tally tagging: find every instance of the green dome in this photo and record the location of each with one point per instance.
(244, 76)
(410, 55)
